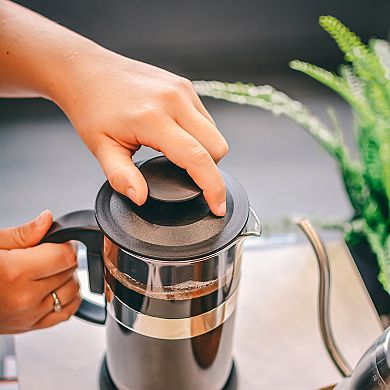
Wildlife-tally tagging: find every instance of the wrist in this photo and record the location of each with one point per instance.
(66, 70)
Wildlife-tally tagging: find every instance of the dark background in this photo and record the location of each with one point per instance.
(226, 39)
(43, 164)
(198, 37)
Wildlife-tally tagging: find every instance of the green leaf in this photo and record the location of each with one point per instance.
(266, 97)
(365, 62)
(354, 83)
(347, 41)
(338, 84)
(382, 253)
(365, 85)
(382, 50)
(278, 103)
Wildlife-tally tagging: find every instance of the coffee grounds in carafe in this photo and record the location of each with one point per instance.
(189, 289)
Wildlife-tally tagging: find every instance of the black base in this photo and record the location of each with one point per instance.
(106, 383)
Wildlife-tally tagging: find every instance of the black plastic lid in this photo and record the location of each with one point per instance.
(175, 222)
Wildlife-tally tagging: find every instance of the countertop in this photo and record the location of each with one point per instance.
(277, 341)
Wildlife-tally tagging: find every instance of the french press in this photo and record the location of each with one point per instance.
(170, 272)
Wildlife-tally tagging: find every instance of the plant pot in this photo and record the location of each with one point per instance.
(367, 265)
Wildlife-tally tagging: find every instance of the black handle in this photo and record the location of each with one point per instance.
(82, 226)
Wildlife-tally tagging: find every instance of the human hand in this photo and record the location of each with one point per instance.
(118, 104)
(29, 273)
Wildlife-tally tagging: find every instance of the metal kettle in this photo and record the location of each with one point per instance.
(372, 372)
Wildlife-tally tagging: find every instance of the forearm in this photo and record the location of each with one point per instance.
(35, 53)
(116, 104)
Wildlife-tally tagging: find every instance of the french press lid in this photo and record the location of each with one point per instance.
(175, 222)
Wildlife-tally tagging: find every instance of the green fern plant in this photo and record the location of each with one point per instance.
(365, 84)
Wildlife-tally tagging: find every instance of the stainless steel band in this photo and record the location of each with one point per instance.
(171, 328)
(381, 359)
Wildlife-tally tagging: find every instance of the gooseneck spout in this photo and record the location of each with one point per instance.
(324, 298)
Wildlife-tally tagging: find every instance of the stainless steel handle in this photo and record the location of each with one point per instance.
(324, 298)
(253, 225)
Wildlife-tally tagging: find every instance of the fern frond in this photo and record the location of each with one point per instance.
(347, 40)
(369, 150)
(365, 85)
(377, 99)
(373, 68)
(383, 158)
(278, 103)
(382, 254)
(382, 50)
(384, 155)
(336, 83)
(365, 62)
(336, 125)
(354, 83)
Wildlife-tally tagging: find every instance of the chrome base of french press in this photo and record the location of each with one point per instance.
(106, 383)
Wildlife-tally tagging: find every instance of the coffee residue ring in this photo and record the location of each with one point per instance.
(182, 291)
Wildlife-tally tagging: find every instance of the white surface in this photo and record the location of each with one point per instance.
(277, 342)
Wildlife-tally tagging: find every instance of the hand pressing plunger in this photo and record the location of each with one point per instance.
(116, 105)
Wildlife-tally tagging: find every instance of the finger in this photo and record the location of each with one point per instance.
(186, 152)
(43, 260)
(194, 97)
(205, 132)
(66, 293)
(54, 318)
(47, 285)
(123, 175)
(27, 235)
(202, 109)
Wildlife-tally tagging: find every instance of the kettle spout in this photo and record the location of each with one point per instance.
(253, 225)
(324, 297)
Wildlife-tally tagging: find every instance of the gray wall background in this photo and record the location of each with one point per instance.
(43, 164)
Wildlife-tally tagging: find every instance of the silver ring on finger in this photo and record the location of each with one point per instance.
(57, 303)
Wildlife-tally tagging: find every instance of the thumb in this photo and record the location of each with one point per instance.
(27, 235)
(123, 175)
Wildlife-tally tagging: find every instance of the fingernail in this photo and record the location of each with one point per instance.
(38, 220)
(221, 209)
(132, 195)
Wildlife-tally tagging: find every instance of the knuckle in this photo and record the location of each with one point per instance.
(184, 83)
(69, 255)
(147, 112)
(19, 236)
(170, 92)
(74, 288)
(72, 260)
(221, 150)
(23, 300)
(8, 275)
(72, 308)
(100, 148)
(116, 177)
(198, 154)
(113, 175)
